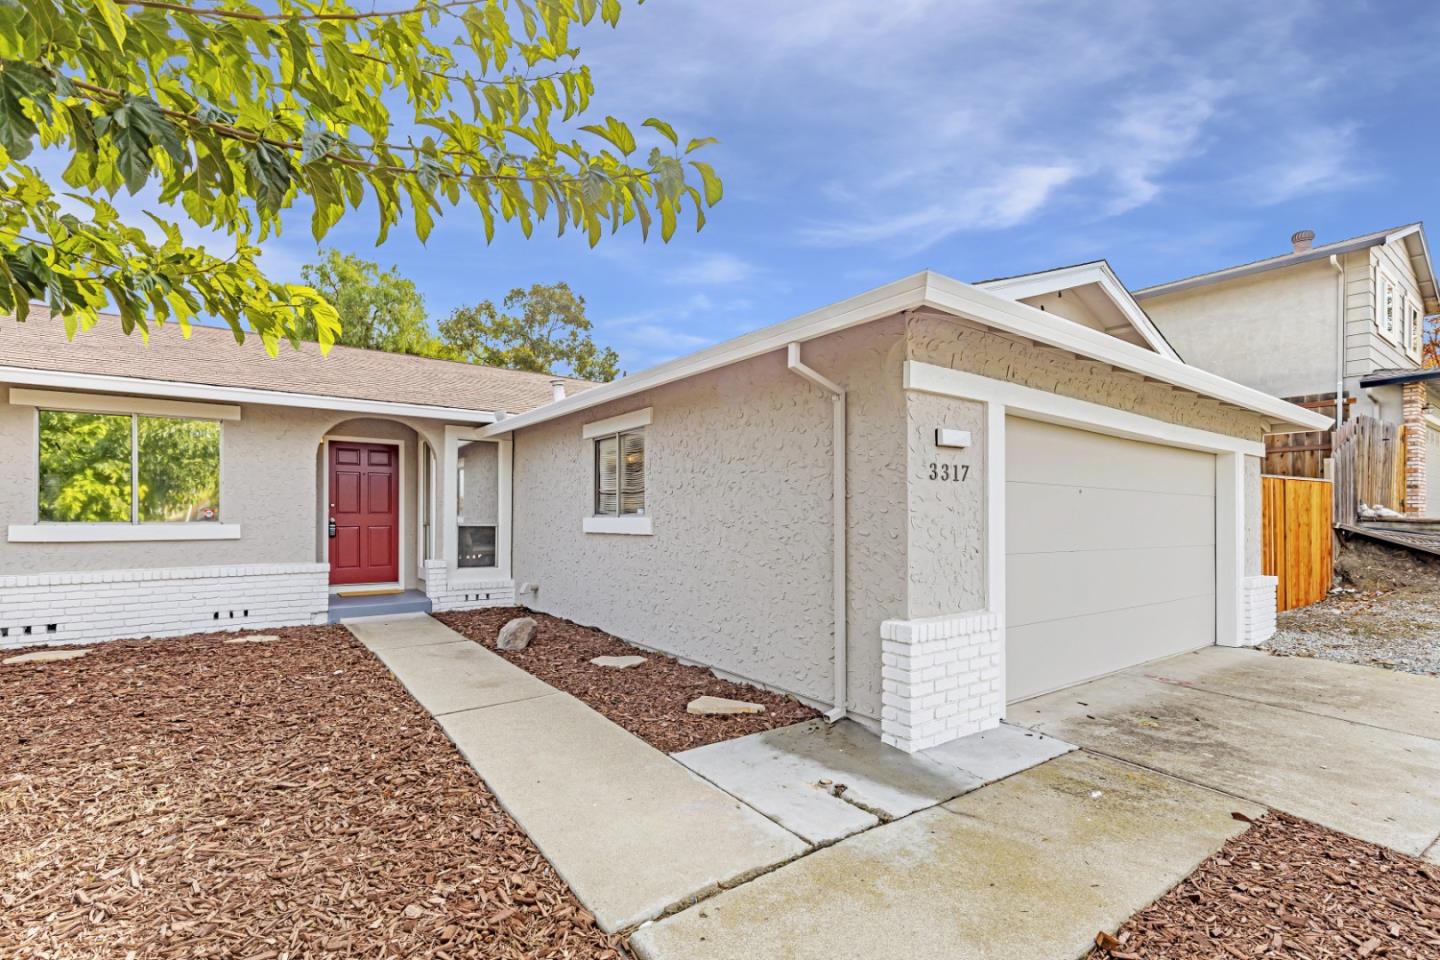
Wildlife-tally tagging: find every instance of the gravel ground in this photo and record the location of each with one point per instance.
(269, 801)
(648, 700)
(1287, 889)
(1386, 613)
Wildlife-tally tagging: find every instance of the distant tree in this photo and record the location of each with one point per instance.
(1430, 345)
(543, 329)
(379, 309)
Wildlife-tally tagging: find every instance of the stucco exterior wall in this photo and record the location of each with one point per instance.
(1254, 508)
(271, 462)
(479, 501)
(946, 532)
(1274, 331)
(737, 573)
(961, 346)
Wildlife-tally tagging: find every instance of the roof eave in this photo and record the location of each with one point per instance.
(951, 296)
(139, 386)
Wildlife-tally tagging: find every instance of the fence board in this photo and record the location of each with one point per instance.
(1297, 542)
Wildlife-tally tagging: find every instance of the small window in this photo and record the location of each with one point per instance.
(108, 468)
(1415, 331)
(620, 474)
(1387, 307)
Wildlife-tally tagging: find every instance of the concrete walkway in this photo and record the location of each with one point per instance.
(1353, 748)
(1028, 868)
(632, 832)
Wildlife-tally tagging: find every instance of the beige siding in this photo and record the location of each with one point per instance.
(270, 472)
(737, 573)
(1274, 331)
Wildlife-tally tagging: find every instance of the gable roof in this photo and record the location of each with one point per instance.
(1413, 235)
(211, 364)
(947, 295)
(1097, 273)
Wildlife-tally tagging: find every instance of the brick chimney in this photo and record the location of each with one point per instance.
(1302, 240)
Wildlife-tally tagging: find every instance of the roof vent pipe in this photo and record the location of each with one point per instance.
(1302, 240)
(557, 389)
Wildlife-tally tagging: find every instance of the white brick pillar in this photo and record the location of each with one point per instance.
(942, 678)
(1412, 408)
(1257, 610)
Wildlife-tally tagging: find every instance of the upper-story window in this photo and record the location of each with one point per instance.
(127, 468)
(1414, 328)
(1387, 321)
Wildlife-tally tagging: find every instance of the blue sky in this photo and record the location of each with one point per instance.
(863, 141)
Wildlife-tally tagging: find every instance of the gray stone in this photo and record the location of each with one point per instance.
(617, 663)
(257, 638)
(721, 707)
(46, 656)
(517, 634)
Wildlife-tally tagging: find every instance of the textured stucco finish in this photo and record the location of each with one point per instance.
(480, 502)
(961, 346)
(946, 532)
(270, 485)
(737, 573)
(1254, 507)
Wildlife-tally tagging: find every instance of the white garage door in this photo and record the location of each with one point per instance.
(1110, 554)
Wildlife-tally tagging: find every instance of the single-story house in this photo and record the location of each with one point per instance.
(911, 507)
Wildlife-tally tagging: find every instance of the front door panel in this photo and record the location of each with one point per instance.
(364, 510)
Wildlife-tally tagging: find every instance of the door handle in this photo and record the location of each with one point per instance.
(332, 528)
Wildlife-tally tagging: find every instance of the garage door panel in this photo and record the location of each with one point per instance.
(1047, 656)
(1110, 559)
(1044, 453)
(1048, 517)
(1053, 586)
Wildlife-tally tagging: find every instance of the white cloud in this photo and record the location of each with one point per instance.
(1313, 161)
(712, 269)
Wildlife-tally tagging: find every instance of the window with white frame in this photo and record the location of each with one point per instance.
(619, 485)
(1414, 328)
(1388, 308)
(127, 468)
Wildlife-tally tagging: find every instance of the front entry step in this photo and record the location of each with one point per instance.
(409, 601)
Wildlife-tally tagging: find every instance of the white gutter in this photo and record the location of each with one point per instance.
(841, 588)
(1339, 341)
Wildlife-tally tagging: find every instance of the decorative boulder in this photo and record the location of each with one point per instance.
(517, 634)
(719, 706)
(617, 663)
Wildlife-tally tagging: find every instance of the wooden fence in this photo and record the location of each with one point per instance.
(1297, 543)
(1303, 454)
(1369, 467)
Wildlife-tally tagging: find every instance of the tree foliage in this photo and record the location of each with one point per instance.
(379, 309)
(234, 112)
(543, 329)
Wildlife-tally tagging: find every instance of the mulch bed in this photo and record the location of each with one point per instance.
(648, 700)
(1288, 889)
(268, 801)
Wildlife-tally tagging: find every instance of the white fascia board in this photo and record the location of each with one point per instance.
(112, 403)
(1080, 275)
(952, 296)
(1020, 400)
(871, 305)
(198, 391)
(633, 420)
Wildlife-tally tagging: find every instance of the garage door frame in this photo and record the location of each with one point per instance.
(1002, 398)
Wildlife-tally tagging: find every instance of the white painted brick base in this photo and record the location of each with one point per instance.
(942, 677)
(1257, 605)
(165, 602)
(443, 596)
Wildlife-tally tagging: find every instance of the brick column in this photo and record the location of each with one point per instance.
(1413, 411)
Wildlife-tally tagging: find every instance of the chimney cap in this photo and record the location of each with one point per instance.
(1302, 240)
(557, 389)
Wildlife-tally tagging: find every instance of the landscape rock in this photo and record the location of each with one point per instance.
(517, 634)
(46, 656)
(617, 663)
(257, 638)
(719, 706)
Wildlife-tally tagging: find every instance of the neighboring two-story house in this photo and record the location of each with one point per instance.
(1344, 319)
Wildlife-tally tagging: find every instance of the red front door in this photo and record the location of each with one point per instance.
(364, 512)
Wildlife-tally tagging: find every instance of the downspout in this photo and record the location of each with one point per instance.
(841, 590)
(1339, 342)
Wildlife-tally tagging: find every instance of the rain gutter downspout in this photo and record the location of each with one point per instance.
(1339, 341)
(841, 590)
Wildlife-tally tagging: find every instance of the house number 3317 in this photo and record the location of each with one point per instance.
(956, 473)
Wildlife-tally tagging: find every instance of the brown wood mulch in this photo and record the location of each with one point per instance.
(648, 700)
(1288, 889)
(267, 801)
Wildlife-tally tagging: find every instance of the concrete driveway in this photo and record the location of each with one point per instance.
(1350, 747)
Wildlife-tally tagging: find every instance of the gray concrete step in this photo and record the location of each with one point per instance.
(411, 601)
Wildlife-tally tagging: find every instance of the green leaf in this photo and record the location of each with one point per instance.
(664, 128)
(114, 20)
